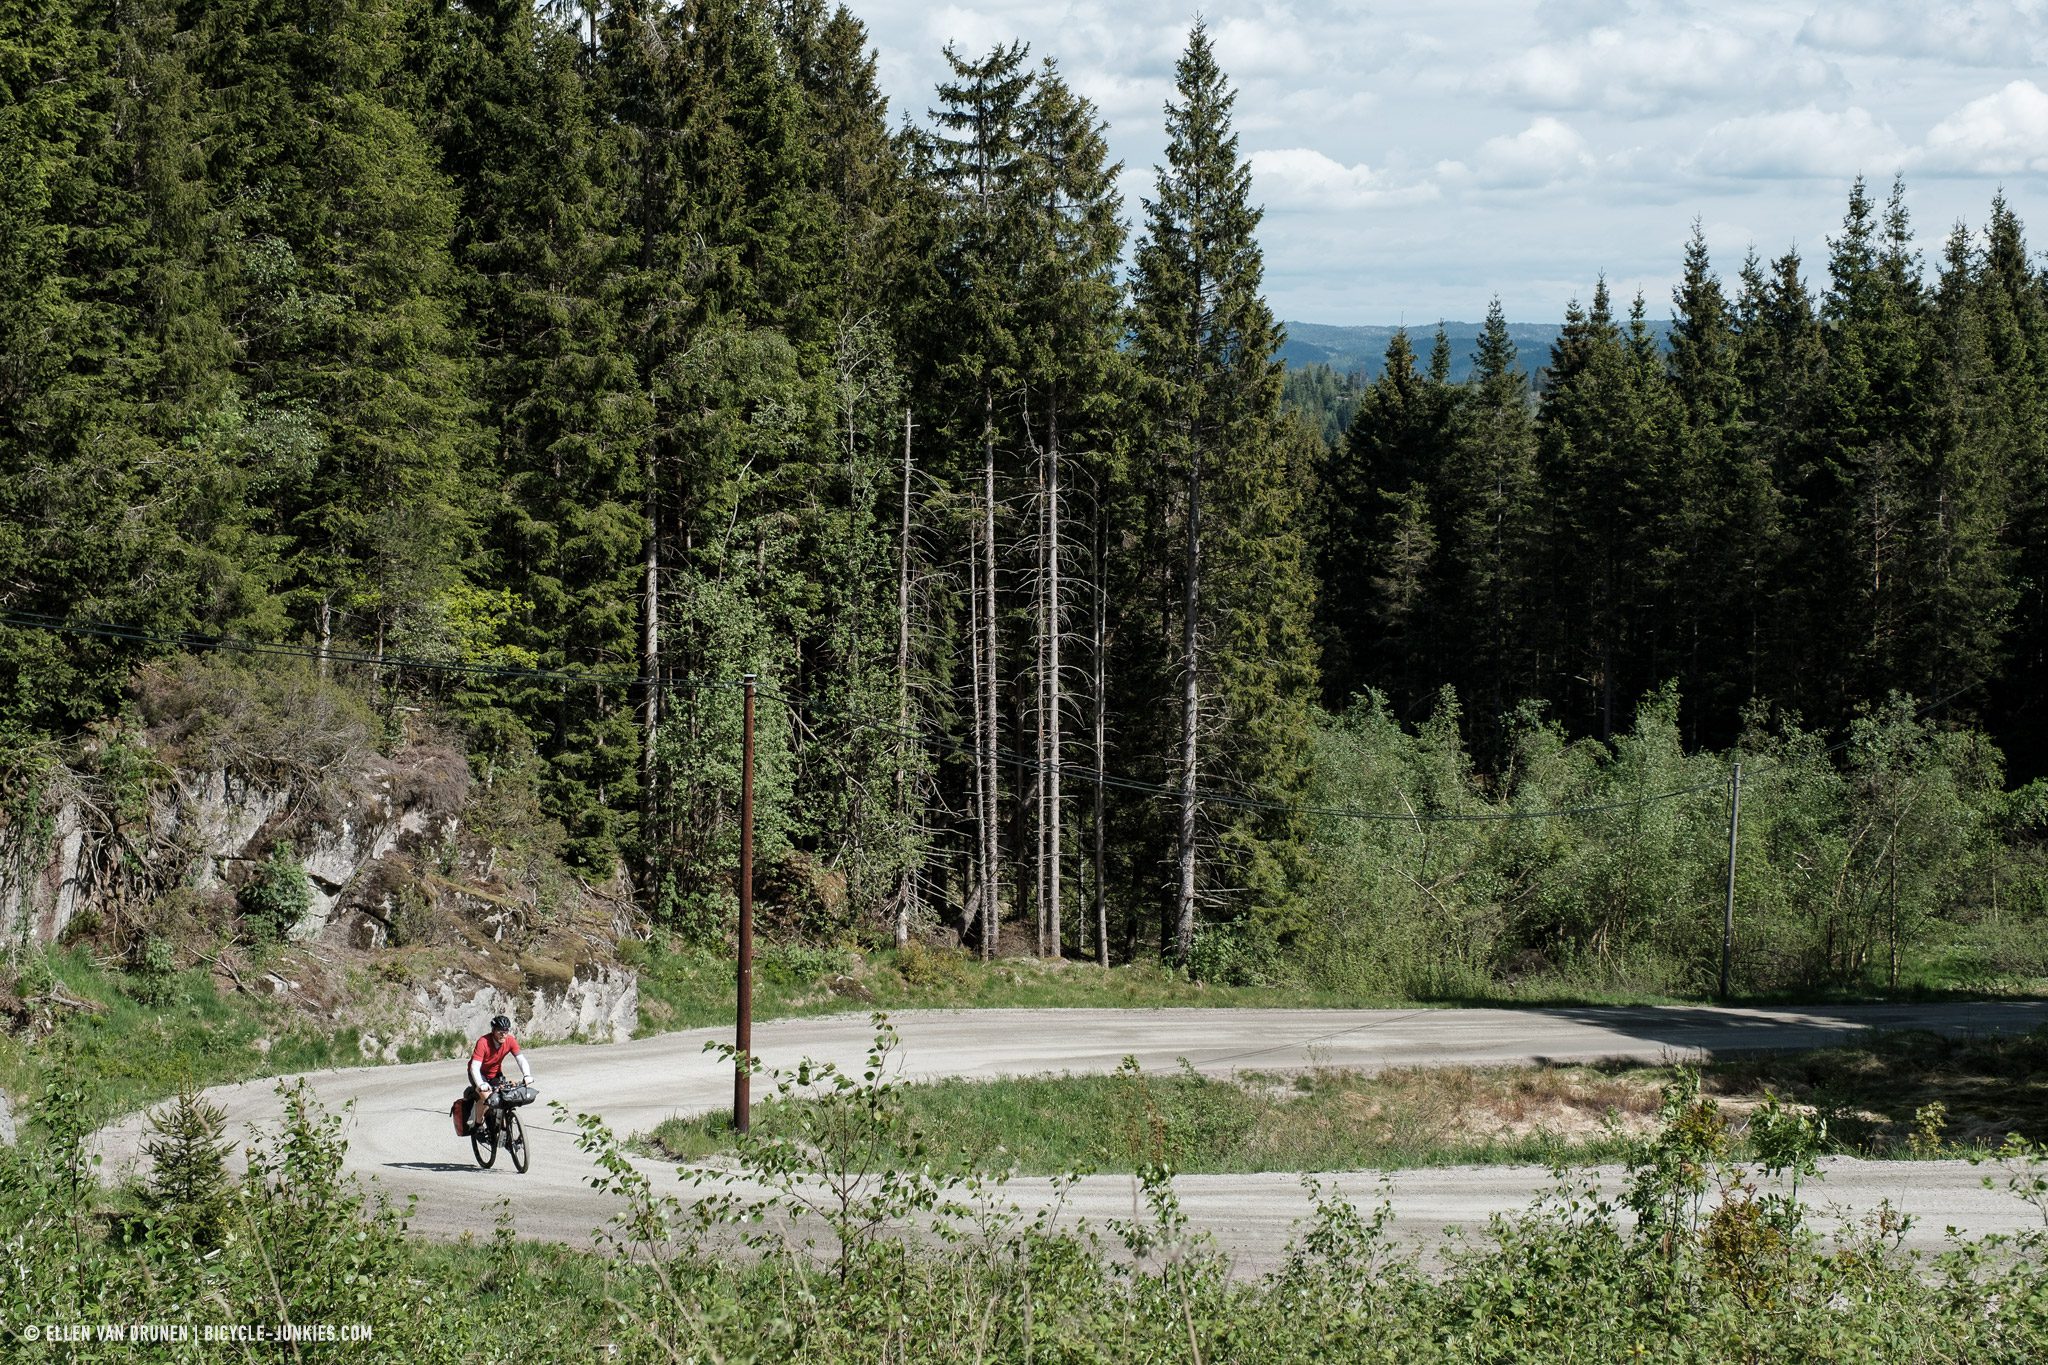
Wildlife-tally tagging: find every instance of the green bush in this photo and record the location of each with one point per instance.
(926, 968)
(152, 970)
(276, 898)
(190, 1177)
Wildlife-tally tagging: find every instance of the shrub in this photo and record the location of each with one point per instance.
(154, 963)
(276, 898)
(928, 968)
(190, 1179)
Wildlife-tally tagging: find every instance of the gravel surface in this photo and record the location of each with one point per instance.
(400, 1135)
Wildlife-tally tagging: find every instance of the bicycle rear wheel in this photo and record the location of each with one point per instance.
(483, 1141)
(515, 1143)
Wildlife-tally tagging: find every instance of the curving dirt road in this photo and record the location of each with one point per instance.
(400, 1136)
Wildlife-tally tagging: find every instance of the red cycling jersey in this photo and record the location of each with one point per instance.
(493, 1059)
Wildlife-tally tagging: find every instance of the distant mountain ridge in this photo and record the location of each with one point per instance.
(1353, 350)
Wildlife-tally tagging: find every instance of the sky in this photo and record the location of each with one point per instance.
(1415, 158)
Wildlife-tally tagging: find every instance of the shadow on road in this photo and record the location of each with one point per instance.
(436, 1166)
(1704, 1029)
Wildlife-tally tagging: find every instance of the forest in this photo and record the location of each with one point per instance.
(540, 373)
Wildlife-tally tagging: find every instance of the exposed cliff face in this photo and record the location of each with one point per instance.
(415, 923)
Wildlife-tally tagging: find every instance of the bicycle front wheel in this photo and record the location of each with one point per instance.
(515, 1143)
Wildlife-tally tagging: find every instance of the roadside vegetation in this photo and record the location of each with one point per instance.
(1906, 1095)
(133, 1035)
(1703, 1257)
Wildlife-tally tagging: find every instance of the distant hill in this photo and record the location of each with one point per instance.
(1352, 350)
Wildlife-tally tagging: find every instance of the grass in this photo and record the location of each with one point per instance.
(133, 1051)
(692, 988)
(1876, 1097)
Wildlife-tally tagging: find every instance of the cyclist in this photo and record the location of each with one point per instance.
(487, 1065)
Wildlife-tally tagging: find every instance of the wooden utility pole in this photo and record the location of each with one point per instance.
(742, 1109)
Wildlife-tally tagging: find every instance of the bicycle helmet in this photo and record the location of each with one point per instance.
(499, 1021)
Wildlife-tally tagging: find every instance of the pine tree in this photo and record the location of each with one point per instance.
(534, 244)
(976, 163)
(1070, 337)
(1485, 504)
(1204, 341)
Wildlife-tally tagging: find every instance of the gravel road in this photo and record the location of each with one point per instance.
(400, 1137)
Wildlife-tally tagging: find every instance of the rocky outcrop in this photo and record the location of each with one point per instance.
(44, 877)
(597, 1004)
(395, 892)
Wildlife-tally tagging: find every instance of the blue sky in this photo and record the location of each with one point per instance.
(1415, 159)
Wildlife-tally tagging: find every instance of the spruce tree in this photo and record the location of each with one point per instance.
(1868, 447)
(1070, 354)
(1380, 526)
(534, 246)
(1204, 342)
(976, 163)
(1485, 503)
(342, 280)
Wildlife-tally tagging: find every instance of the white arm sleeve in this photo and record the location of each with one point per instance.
(476, 1074)
(524, 1069)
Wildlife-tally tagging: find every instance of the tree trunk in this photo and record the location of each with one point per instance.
(1101, 633)
(992, 907)
(1041, 790)
(978, 892)
(906, 891)
(1191, 602)
(650, 674)
(326, 634)
(1054, 699)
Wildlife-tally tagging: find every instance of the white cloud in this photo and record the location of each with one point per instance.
(1622, 121)
(1982, 32)
(1650, 67)
(1799, 143)
(1547, 152)
(1272, 44)
(1303, 178)
(2004, 133)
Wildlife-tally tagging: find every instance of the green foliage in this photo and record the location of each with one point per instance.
(276, 897)
(1671, 1172)
(856, 1242)
(1844, 873)
(150, 975)
(189, 1175)
(594, 356)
